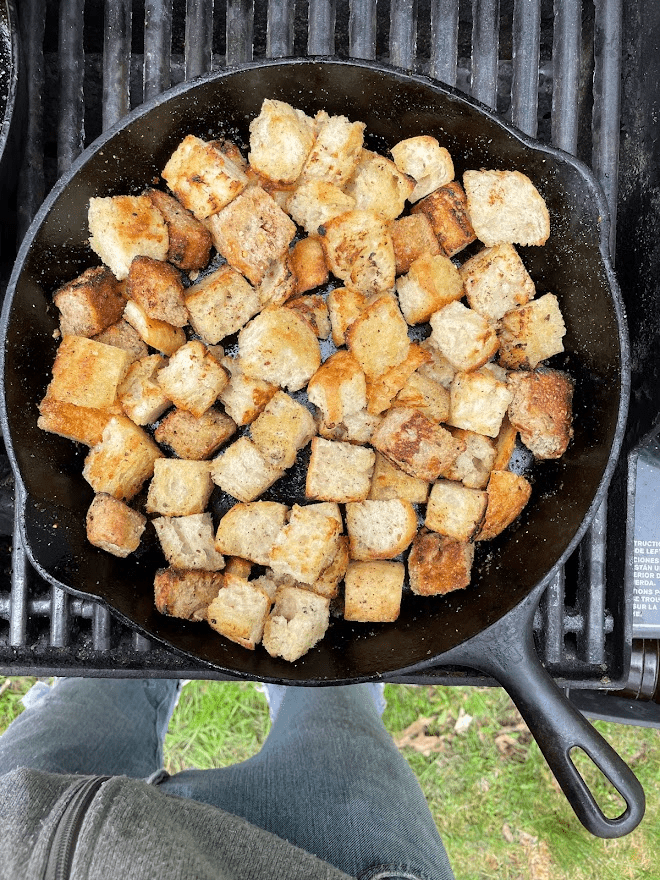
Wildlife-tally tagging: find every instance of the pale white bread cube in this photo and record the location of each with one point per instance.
(278, 284)
(239, 611)
(313, 308)
(472, 467)
(114, 526)
(193, 378)
(123, 227)
(80, 423)
(193, 437)
(412, 237)
(378, 185)
(389, 481)
(179, 487)
(423, 159)
(122, 461)
(306, 545)
(90, 303)
(464, 337)
(336, 150)
(505, 206)
(380, 529)
(158, 289)
(202, 178)
(87, 373)
(438, 367)
(431, 283)
(541, 410)
(508, 493)
(122, 335)
(244, 397)
(531, 333)
(454, 510)
(298, 620)
(344, 305)
(338, 388)
(221, 303)
(308, 265)
(494, 370)
(281, 429)
(243, 472)
(314, 203)
(446, 208)
(478, 402)
(505, 443)
(160, 335)
(141, 397)
(373, 591)
(279, 346)
(383, 389)
(378, 337)
(187, 541)
(496, 281)
(249, 530)
(252, 232)
(359, 251)
(266, 583)
(339, 471)
(356, 428)
(328, 508)
(428, 397)
(186, 593)
(189, 240)
(415, 444)
(281, 138)
(438, 565)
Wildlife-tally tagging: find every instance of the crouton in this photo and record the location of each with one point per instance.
(428, 397)
(344, 305)
(122, 335)
(412, 237)
(382, 390)
(508, 493)
(355, 428)
(193, 379)
(336, 151)
(378, 337)
(179, 487)
(306, 545)
(278, 284)
(446, 208)
(157, 288)
(220, 303)
(373, 591)
(244, 397)
(378, 185)
(239, 567)
(186, 593)
(249, 530)
(389, 481)
(505, 443)
(189, 240)
(327, 583)
(431, 283)
(541, 410)
(496, 281)
(308, 265)
(316, 202)
(80, 423)
(239, 611)
(202, 178)
(87, 373)
(123, 227)
(313, 307)
(187, 541)
(114, 526)
(454, 510)
(339, 471)
(90, 303)
(281, 138)
(415, 444)
(478, 402)
(438, 565)
(423, 159)
(438, 367)
(279, 347)
(506, 207)
(122, 461)
(282, 428)
(158, 334)
(380, 529)
(141, 397)
(338, 388)
(466, 339)
(473, 466)
(328, 508)
(193, 437)
(359, 251)
(531, 333)
(243, 472)
(298, 620)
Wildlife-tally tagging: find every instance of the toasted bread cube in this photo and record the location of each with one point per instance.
(90, 303)
(252, 232)
(316, 202)
(438, 367)
(356, 428)
(313, 307)
(358, 249)
(240, 567)
(278, 284)
(114, 526)
(221, 303)
(382, 390)
(447, 210)
(193, 379)
(472, 467)
(415, 444)
(531, 333)
(306, 545)
(378, 337)
(249, 530)
(195, 438)
(454, 510)
(87, 373)
(373, 591)
(239, 611)
(202, 178)
(187, 541)
(186, 593)
(328, 508)
(423, 159)
(380, 529)
(122, 335)
(432, 283)
(496, 281)
(338, 388)
(378, 185)
(327, 583)
(80, 423)
(244, 397)
(123, 227)
(412, 237)
(389, 481)
(339, 471)
(141, 397)
(465, 338)
(243, 472)
(505, 443)
(299, 619)
(308, 265)
(179, 487)
(122, 461)
(189, 240)
(158, 334)
(438, 565)
(506, 207)
(336, 151)
(279, 347)
(281, 138)
(428, 397)
(508, 493)
(541, 410)
(284, 427)
(344, 305)
(157, 288)
(478, 402)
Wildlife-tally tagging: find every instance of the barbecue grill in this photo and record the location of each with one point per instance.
(579, 75)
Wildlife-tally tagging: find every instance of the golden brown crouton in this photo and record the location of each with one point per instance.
(249, 530)
(379, 529)
(358, 249)
(464, 337)
(378, 337)
(339, 471)
(438, 367)
(454, 510)
(244, 397)
(496, 281)
(220, 303)
(281, 137)
(114, 526)
(157, 288)
(505, 206)
(415, 444)
(428, 397)
(373, 591)
(531, 333)
(478, 402)
(299, 619)
(87, 373)
(508, 493)
(315, 203)
(432, 283)
(541, 410)
(122, 335)
(193, 437)
(90, 303)
(278, 284)
(186, 593)
(429, 164)
(193, 379)
(160, 335)
(123, 227)
(179, 487)
(382, 389)
(189, 240)
(438, 565)
(239, 611)
(306, 545)
(243, 471)
(446, 208)
(336, 150)
(308, 265)
(141, 397)
(313, 307)
(378, 185)
(187, 541)
(80, 423)
(338, 388)
(279, 347)
(505, 443)
(412, 237)
(122, 461)
(327, 583)
(281, 429)
(344, 305)
(389, 481)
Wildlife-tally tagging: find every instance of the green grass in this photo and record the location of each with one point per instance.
(498, 808)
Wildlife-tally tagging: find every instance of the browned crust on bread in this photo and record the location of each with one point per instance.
(508, 493)
(541, 410)
(438, 565)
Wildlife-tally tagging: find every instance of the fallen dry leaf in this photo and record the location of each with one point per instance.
(507, 833)
(415, 737)
(463, 721)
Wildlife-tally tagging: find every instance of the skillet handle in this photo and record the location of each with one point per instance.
(506, 652)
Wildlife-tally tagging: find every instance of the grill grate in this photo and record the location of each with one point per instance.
(553, 69)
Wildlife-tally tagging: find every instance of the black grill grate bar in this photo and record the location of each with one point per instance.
(60, 618)
(157, 47)
(403, 33)
(444, 40)
(592, 562)
(18, 613)
(362, 29)
(526, 54)
(279, 28)
(552, 613)
(101, 627)
(199, 37)
(566, 52)
(117, 61)
(71, 123)
(321, 27)
(239, 31)
(485, 50)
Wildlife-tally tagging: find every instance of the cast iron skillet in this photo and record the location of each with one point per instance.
(509, 578)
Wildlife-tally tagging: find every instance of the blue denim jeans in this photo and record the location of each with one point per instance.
(328, 778)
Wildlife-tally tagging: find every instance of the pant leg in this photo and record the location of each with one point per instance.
(93, 726)
(330, 780)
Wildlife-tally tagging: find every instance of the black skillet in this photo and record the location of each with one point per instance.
(509, 576)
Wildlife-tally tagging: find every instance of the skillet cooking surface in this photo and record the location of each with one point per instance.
(573, 264)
